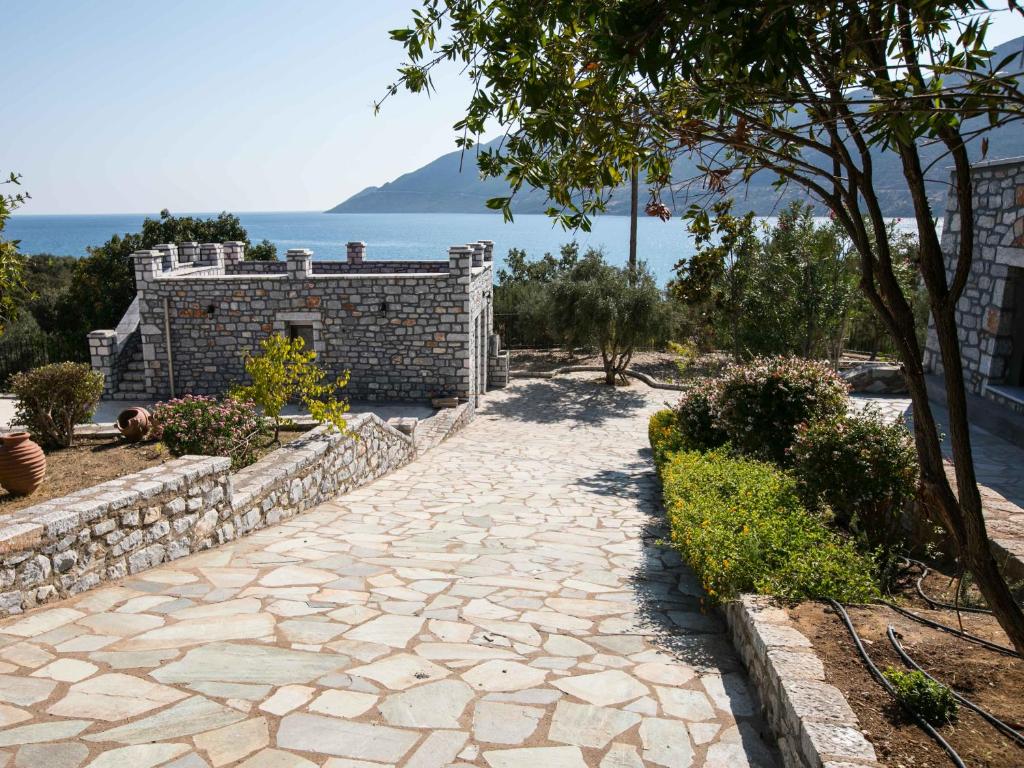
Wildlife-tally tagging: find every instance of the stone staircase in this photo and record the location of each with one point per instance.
(131, 383)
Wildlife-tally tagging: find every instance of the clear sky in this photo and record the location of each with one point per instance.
(204, 105)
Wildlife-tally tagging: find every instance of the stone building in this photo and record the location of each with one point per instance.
(990, 314)
(406, 330)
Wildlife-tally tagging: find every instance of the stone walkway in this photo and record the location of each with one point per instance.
(500, 603)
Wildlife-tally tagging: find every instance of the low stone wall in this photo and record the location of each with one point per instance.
(812, 721)
(68, 545)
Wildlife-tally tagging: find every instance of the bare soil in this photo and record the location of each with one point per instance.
(94, 461)
(991, 680)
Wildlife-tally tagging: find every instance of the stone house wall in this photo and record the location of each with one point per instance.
(987, 313)
(405, 330)
(68, 545)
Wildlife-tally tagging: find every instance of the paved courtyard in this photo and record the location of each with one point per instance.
(501, 603)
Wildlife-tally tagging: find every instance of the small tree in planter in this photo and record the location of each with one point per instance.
(53, 398)
(284, 371)
(612, 309)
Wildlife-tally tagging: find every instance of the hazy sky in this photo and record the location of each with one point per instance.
(204, 105)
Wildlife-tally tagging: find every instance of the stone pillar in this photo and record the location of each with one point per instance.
(102, 354)
(168, 256)
(478, 254)
(212, 255)
(355, 252)
(300, 262)
(188, 252)
(488, 251)
(460, 261)
(147, 267)
(234, 252)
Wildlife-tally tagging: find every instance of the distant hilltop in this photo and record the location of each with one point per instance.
(451, 183)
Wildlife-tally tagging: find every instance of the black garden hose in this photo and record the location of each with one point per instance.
(954, 631)
(925, 570)
(925, 725)
(1017, 736)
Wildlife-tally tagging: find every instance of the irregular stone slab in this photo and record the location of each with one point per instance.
(500, 723)
(121, 624)
(114, 696)
(133, 659)
(685, 704)
(587, 609)
(564, 645)
(523, 633)
(294, 575)
(438, 750)
(462, 652)
(42, 621)
(534, 757)
(37, 732)
(194, 631)
(328, 736)
(400, 671)
(345, 704)
(66, 670)
(621, 756)
(665, 674)
(189, 717)
(395, 631)
(666, 743)
(276, 758)
(12, 715)
(243, 691)
(434, 705)
(504, 676)
(588, 726)
(141, 756)
(729, 692)
(233, 742)
(310, 632)
(287, 698)
(64, 754)
(191, 760)
(25, 690)
(234, 663)
(602, 688)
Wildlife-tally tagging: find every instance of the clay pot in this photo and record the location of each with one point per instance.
(22, 463)
(133, 424)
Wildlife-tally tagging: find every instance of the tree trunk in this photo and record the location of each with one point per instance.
(634, 205)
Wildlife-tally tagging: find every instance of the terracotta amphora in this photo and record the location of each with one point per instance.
(22, 463)
(133, 424)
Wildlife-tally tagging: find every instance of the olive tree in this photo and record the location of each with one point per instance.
(12, 263)
(612, 309)
(811, 92)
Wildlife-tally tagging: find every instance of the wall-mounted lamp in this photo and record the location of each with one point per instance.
(211, 310)
(383, 309)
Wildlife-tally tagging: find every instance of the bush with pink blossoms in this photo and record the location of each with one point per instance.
(206, 426)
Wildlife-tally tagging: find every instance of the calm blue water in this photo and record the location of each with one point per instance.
(388, 236)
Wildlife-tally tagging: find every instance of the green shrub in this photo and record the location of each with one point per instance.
(760, 404)
(696, 418)
(864, 469)
(932, 700)
(663, 435)
(740, 525)
(205, 426)
(53, 398)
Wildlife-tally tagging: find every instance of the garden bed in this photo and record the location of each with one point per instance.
(992, 680)
(94, 461)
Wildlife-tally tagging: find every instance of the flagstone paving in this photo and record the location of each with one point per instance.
(502, 603)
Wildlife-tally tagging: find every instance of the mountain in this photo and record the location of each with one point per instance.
(451, 184)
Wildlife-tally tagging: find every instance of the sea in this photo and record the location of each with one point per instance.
(427, 236)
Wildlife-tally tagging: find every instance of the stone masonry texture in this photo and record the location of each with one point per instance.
(986, 313)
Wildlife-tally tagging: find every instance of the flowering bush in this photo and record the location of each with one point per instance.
(759, 405)
(741, 527)
(696, 416)
(194, 424)
(862, 468)
(664, 436)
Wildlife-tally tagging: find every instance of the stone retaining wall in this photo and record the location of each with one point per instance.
(68, 545)
(813, 722)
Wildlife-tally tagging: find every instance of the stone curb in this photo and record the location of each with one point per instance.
(812, 721)
(648, 380)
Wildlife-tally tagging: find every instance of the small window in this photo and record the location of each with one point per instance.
(304, 332)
